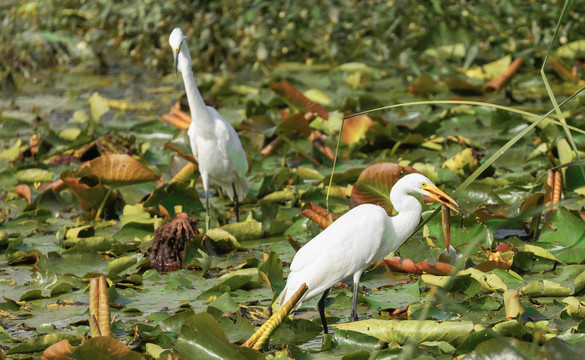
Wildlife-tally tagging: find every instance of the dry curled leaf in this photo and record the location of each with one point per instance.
(88, 190)
(319, 215)
(23, 190)
(409, 266)
(297, 99)
(59, 350)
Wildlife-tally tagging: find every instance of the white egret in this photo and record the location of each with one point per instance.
(363, 235)
(214, 142)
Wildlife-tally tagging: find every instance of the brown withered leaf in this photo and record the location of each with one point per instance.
(293, 243)
(297, 99)
(438, 268)
(484, 215)
(355, 128)
(424, 85)
(34, 143)
(88, 190)
(29, 257)
(295, 122)
(506, 247)
(318, 141)
(407, 265)
(497, 83)
(59, 350)
(318, 214)
(463, 87)
(375, 182)
(177, 117)
(119, 170)
(260, 123)
(491, 265)
(23, 190)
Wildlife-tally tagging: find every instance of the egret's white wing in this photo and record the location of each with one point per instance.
(345, 247)
(229, 143)
(193, 140)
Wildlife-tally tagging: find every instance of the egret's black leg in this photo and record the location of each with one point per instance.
(321, 307)
(236, 203)
(354, 316)
(206, 211)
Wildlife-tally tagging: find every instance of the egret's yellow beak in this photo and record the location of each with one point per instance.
(176, 58)
(440, 196)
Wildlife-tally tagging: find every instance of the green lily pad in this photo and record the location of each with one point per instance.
(563, 236)
(42, 342)
(201, 337)
(453, 332)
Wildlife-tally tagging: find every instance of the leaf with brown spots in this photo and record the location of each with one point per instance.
(119, 170)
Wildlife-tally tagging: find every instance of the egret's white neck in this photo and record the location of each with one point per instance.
(197, 106)
(408, 217)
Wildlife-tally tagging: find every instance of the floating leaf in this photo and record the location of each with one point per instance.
(105, 348)
(355, 128)
(272, 267)
(33, 175)
(375, 182)
(59, 350)
(120, 264)
(42, 342)
(484, 282)
(295, 122)
(545, 288)
(453, 332)
(512, 303)
(249, 278)
(119, 170)
(98, 105)
(318, 96)
(88, 190)
(175, 194)
(572, 49)
(80, 231)
(424, 85)
(297, 99)
(490, 70)
(563, 235)
(201, 337)
(505, 348)
(12, 153)
(23, 190)
(245, 230)
(464, 162)
(407, 265)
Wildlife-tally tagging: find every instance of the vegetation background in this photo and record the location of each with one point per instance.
(81, 80)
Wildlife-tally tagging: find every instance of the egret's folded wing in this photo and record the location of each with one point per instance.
(345, 247)
(229, 144)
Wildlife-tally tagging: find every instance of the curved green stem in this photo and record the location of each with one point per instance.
(103, 204)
